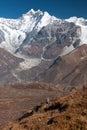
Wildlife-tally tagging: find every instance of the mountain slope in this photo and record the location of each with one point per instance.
(8, 63)
(68, 113)
(69, 69)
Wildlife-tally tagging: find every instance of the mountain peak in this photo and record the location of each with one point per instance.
(76, 20)
(32, 11)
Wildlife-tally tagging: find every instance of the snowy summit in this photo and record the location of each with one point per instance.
(13, 32)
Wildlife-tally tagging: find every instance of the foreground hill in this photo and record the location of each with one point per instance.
(67, 113)
(19, 98)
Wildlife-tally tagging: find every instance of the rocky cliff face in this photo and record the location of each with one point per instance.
(51, 39)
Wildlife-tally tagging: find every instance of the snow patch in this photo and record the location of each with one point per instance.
(83, 24)
(16, 76)
(29, 63)
(67, 50)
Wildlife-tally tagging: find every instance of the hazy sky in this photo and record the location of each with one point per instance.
(58, 8)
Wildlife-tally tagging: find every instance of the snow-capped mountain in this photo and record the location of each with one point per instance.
(14, 31)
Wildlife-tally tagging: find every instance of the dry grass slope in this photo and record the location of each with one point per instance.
(67, 113)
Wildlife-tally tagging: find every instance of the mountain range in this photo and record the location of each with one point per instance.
(33, 43)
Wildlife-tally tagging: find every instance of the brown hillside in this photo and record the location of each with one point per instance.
(70, 69)
(68, 113)
(8, 62)
(18, 98)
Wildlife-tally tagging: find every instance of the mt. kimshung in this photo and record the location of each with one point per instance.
(16, 32)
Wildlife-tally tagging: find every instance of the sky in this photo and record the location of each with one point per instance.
(59, 8)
